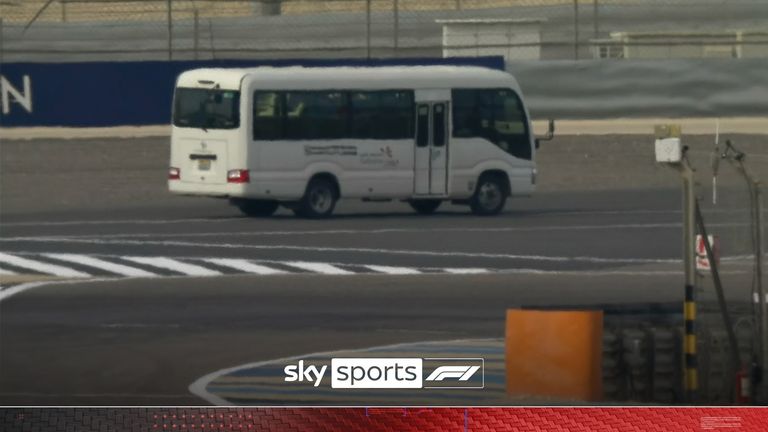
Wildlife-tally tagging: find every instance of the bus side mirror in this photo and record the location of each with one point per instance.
(550, 133)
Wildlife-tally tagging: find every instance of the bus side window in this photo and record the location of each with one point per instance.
(315, 115)
(496, 115)
(422, 126)
(267, 116)
(381, 114)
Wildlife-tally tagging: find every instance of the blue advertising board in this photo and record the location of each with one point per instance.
(133, 93)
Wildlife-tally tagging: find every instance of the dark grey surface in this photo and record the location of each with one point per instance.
(144, 341)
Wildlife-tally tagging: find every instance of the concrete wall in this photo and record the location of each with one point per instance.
(644, 88)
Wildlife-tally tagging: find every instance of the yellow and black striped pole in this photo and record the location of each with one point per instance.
(670, 151)
(689, 345)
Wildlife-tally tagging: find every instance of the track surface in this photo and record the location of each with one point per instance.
(145, 340)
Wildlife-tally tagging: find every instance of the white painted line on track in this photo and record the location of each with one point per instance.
(6, 272)
(19, 288)
(393, 270)
(41, 267)
(200, 387)
(466, 270)
(244, 265)
(103, 265)
(544, 213)
(366, 250)
(319, 267)
(172, 264)
(547, 228)
(124, 222)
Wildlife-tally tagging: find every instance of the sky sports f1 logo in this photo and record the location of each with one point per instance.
(390, 373)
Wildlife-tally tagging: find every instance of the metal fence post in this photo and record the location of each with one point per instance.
(762, 297)
(170, 29)
(210, 38)
(396, 31)
(196, 30)
(1, 41)
(595, 20)
(368, 29)
(575, 29)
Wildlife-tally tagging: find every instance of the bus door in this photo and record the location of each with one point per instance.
(431, 158)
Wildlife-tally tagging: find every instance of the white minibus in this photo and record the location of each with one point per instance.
(306, 137)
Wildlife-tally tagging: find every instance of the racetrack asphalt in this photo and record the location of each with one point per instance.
(376, 274)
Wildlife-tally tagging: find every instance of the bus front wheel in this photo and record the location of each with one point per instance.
(425, 206)
(256, 207)
(319, 200)
(490, 196)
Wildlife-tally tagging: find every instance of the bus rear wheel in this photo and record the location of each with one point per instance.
(490, 196)
(319, 200)
(425, 206)
(256, 207)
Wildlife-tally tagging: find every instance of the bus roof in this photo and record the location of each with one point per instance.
(378, 77)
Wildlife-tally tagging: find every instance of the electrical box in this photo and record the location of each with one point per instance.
(669, 148)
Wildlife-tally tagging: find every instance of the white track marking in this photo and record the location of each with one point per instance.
(172, 264)
(546, 228)
(245, 266)
(466, 270)
(103, 265)
(318, 267)
(6, 272)
(230, 219)
(393, 270)
(41, 267)
(368, 250)
(19, 288)
(122, 222)
(200, 387)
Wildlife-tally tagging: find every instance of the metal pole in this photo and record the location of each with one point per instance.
(759, 283)
(170, 30)
(1, 41)
(714, 269)
(196, 30)
(397, 24)
(210, 39)
(595, 20)
(691, 379)
(575, 29)
(368, 29)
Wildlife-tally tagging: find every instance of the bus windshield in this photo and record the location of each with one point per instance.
(206, 108)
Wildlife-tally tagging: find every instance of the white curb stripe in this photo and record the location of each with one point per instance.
(319, 267)
(393, 270)
(103, 265)
(466, 270)
(41, 266)
(172, 264)
(245, 266)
